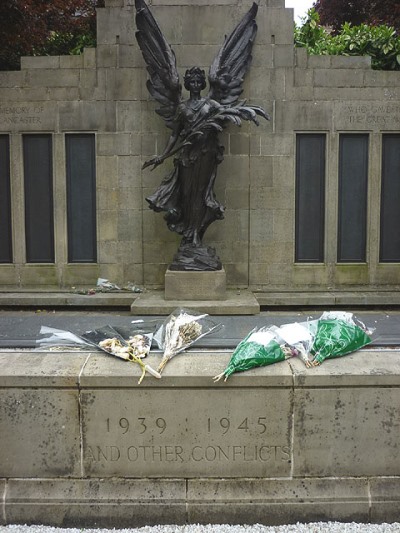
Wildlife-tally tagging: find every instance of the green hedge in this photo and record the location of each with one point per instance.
(380, 42)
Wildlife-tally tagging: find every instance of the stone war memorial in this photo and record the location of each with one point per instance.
(244, 174)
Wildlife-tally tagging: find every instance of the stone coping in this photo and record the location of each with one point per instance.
(62, 369)
(57, 298)
(138, 502)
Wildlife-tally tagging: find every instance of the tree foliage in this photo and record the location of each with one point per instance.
(335, 13)
(45, 27)
(380, 42)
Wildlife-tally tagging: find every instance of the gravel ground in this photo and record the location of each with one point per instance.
(317, 527)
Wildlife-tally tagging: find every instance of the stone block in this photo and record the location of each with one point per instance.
(319, 62)
(347, 274)
(363, 62)
(367, 368)
(129, 116)
(53, 77)
(284, 56)
(40, 62)
(278, 144)
(8, 275)
(106, 55)
(275, 26)
(75, 275)
(342, 444)
(239, 144)
(129, 225)
(47, 369)
(87, 116)
(236, 198)
(307, 116)
(385, 500)
(301, 58)
(89, 57)
(28, 116)
(47, 421)
(39, 275)
(108, 225)
(107, 173)
(11, 79)
(111, 144)
(381, 78)
(305, 275)
(271, 198)
(201, 55)
(338, 78)
(129, 173)
(277, 502)
(233, 438)
(115, 26)
(195, 285)
(303, 77)
(130, 56)
(234, 172)
(92, 503)
(2, 506)
(72, 61)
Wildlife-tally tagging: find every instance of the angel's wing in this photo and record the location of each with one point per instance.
(160, 59)
(233, 60)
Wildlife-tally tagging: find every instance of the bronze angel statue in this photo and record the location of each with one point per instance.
(187, 195)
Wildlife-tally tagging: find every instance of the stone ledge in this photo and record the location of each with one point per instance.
(237, 302)
(122, 503)
(58, 298)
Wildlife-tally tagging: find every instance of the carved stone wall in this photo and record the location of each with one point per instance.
(103, 92)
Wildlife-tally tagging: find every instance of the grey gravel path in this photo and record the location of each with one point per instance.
(317, 527)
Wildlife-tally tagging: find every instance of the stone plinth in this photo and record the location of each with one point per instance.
(184, 285)
(83, 445)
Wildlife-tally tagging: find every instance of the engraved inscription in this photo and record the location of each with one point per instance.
(187, 433)
(372, 115)
(21, 114)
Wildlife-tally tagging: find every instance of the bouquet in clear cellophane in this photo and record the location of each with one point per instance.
(267, 345)
(180, 330)
(109, 340)
(138, 335)
(338, 333)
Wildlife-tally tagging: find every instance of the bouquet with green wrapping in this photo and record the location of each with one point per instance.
(338, 334)
(260, 348)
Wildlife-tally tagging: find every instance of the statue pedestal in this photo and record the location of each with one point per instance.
(185, 285)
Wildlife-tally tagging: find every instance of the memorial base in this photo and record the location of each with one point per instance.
(83, 445)
(184, 285)
(236, 302)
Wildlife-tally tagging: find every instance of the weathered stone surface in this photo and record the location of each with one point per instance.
(195, 285)
(277, 501)
(338, 430)
(161, 433)
(78, 503)
(237, 302)
(385, 499)
(39, 433)
(2, 498)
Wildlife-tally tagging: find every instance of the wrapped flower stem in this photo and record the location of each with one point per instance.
(259, 348)
(181, 329)
(337, 337)
(109, 340)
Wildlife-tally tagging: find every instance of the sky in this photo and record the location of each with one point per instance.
(300, 7)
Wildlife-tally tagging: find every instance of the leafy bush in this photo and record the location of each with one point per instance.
(380, 42)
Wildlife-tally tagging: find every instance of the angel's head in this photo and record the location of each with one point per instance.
(195, 79)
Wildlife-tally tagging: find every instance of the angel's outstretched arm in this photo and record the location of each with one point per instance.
(168, 150)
